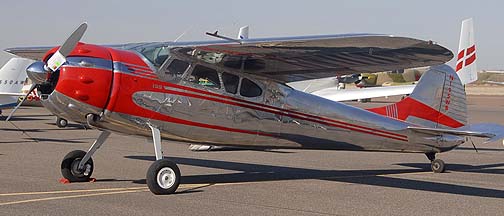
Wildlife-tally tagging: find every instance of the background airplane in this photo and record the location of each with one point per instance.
(15, 86)
(12, 79)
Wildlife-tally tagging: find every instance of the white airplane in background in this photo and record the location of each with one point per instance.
(465, 68)
(12, 79)
(14, 85)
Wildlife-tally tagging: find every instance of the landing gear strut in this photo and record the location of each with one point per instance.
(163, 176)
(437, 165)
(77, 166)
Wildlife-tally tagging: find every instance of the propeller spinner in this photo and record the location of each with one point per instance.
(38, 72)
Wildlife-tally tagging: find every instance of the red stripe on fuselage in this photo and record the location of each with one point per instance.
(247, 104)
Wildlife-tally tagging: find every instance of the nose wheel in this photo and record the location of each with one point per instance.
(70, 167)
(437, 165)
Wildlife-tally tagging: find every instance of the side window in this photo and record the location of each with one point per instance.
(230, 82)
(176, 69)
(249, 88)
(205, 76)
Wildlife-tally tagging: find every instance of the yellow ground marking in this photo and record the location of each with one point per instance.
(70, 191)
(112, 191)
(71, 196)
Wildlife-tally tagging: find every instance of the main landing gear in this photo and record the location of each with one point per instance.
(163, 176)
(437, 165)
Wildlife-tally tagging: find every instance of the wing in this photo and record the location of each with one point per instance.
(302, 58)
(291, 59)
(35, 53)
(355, 94)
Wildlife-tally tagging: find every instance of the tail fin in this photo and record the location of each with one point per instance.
(466, 58)
(243, 33)
(13, 75)
(438, 101)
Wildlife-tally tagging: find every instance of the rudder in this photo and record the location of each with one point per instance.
(438, 101)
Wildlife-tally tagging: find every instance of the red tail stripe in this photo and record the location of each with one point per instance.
(470, 50)
(470, 60)
(411, 107)
(460, 55)
(459, 66)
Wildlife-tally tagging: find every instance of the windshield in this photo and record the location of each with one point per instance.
(156, 54)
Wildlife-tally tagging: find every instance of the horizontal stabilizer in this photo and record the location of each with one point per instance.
(356, 94)
(491, 131)
(11, 94)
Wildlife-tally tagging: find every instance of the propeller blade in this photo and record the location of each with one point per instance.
(20, 103)
(59, 58)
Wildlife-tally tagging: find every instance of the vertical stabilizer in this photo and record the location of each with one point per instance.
(438, 101)
(243, 33)
(466, 57)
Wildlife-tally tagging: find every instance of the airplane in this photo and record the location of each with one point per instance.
(12, 79)
(15, 86)
(233, 93)
(391, 78)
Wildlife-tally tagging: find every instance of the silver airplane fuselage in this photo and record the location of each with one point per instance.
(280, 117)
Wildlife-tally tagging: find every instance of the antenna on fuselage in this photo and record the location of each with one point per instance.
(183, 33)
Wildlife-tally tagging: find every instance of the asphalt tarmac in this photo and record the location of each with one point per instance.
(245, 182)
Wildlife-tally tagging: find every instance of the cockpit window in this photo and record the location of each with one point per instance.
(230, 82)
(157, 55)
(205, 76)
(249, 88)
(176, 68)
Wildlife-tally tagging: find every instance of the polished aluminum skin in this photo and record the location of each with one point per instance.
(280, 117)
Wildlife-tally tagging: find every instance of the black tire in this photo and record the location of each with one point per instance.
(71, 162)
(438, 166)
(160, 177)
(61, 122)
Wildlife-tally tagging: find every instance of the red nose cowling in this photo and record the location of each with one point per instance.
(87, 84)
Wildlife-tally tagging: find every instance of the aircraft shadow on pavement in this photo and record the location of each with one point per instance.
(485, 168)
(257, 173)
(479, 149)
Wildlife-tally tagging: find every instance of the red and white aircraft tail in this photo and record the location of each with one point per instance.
(466, 55)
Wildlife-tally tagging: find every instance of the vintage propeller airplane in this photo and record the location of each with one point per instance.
(231, 92)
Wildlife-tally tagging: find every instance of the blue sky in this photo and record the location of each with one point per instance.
(35, 22)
